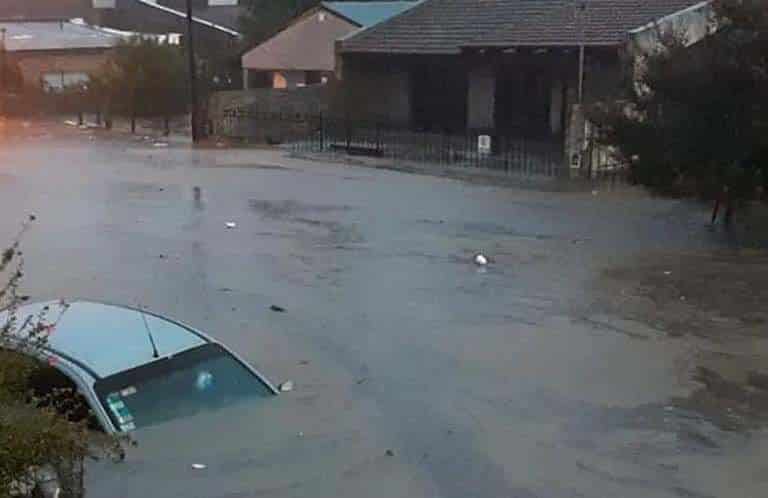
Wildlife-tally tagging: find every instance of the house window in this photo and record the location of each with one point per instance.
(279, 80)
(56, 82)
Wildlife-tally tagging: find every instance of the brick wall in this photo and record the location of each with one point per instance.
(34, 65)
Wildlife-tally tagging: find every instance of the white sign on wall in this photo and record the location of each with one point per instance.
(484, 144)
(104, 4)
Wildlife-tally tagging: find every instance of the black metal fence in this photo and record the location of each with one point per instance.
(511, 152)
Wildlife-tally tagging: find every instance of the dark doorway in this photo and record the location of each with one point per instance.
(439, 98)
(523, 102)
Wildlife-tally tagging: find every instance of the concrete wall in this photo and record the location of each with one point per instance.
(267, 114)
(306, 100)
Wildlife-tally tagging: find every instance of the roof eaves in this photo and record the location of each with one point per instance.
(198, 20)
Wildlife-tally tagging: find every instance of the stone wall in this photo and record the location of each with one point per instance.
(267, 114)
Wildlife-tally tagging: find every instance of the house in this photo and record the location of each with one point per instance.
(215, 23)
(302, 53)
(53, 55)
(507, 67)
(41, 10)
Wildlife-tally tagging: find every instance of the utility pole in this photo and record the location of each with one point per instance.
(192, 73)
(3, 77)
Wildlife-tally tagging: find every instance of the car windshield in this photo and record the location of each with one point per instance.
(204, 378)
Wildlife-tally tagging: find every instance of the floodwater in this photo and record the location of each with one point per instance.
(417, 373)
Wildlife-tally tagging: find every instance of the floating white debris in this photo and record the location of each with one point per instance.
(286, 386)
(594, 192)
(667, 272)
(231, 224)
(199, 466)
(481, 260)
(69, 122)
(160, 144)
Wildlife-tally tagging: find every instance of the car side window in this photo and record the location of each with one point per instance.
(51, 387)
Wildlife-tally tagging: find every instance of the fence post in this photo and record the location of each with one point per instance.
(322, 133)
(348, 132)
(445, 154)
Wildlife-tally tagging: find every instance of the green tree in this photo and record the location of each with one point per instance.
(695, 120)
(264, 18)
(143, 78)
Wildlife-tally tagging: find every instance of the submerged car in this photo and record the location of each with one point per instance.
(182, 396)
(135, 368)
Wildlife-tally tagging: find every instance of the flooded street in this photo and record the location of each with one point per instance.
(567, 367)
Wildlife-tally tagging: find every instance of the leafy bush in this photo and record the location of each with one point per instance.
(39, 436)
(695, 119)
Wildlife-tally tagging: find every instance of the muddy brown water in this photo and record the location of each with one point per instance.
(561, 370)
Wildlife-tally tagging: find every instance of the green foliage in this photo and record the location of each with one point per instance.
(696, 118)
(143, 78)
(265, 17)
(39, 435)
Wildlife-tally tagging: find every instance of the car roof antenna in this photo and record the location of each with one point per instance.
(155, 354)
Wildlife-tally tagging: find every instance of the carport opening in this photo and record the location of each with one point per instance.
(51, 388)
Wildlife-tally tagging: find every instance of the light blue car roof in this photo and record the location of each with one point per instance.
(107, 339)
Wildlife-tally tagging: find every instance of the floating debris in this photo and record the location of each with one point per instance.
(276, 308)
(199, 466)
(286, 386)
(480, 259)
(231, 224)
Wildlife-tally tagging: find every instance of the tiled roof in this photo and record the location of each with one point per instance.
(444, 26)
(368, 13)
(42, 9)
(598, 22)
